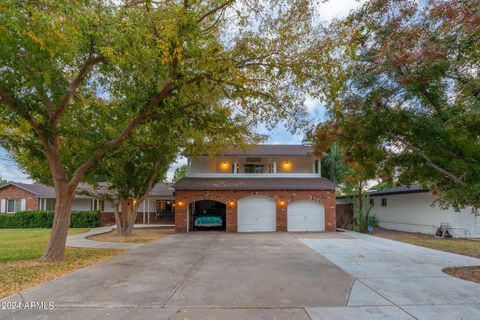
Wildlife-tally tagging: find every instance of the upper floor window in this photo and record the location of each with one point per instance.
(254, 168)
(372, 202)
(14, 205)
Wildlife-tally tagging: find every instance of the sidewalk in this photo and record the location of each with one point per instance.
(81, 241)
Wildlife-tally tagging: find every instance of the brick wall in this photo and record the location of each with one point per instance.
(12, 192)
(184, 198)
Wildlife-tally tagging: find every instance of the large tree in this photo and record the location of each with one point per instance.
(78, 77)
(403, 91)
(126, 176)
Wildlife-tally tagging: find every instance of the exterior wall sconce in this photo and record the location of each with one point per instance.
(180, 203)
(282, 203)
(231, 203)
(224, 166)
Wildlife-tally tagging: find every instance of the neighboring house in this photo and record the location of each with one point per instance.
(14, 197)
(269, 188)
(410, 209)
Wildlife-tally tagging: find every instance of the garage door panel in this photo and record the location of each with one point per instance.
(306, 216)
(256, 214)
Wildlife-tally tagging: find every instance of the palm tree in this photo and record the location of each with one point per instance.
(333, 166)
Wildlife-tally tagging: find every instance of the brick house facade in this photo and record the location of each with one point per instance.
(12, 192)
(230, 198)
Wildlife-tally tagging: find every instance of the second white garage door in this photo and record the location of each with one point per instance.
(306, 216)
(257, 214)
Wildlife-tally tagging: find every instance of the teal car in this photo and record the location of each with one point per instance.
(208, 219)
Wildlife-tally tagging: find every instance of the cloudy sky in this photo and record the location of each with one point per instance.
(328, 10)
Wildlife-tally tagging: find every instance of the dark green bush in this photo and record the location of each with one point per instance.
(85, 219)
(44, 219)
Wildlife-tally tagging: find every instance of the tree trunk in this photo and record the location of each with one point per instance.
(61, 222)
(116, 214)
(131, 223)
(124, 214)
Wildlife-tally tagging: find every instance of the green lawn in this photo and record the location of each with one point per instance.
(24, 244)
(20, 250)
(459, 246)
(465, 247)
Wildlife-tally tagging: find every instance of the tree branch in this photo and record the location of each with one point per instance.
(72, 88)
(151, 181)
(214, 10)
(7, 101)
(432, 165)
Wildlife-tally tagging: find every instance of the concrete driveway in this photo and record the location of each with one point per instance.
(198, 276)
(395, 280)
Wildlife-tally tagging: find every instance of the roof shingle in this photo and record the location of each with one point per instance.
(187, 183)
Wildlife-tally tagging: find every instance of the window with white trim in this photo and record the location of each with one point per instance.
(14, 205)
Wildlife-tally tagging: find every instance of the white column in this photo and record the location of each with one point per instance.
(148, 210)
(144, 211)
(235, 166)
(274, 166)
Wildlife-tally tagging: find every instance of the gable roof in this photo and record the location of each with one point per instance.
(37, 189)
(271, 150)
(43, 191)
(162, 190)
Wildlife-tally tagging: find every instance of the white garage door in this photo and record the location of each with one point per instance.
(306, 216)
(256, 214)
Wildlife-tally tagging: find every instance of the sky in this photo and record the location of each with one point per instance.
(279, 135)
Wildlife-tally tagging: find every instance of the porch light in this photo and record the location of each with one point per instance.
(282, 203)
(231, 203)
(180, 203)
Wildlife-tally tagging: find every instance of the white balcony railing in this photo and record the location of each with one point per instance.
(252, 175)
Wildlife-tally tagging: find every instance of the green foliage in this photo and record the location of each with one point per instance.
(85, 219)
(44, 219)
(363, 221)
(79, 77)
(333, 165)
(404, 97)
(180, 172)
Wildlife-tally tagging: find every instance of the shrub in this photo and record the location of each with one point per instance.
(85, 219)
(362, 223)
(44, 219)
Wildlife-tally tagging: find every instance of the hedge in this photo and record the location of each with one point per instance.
(44, 219)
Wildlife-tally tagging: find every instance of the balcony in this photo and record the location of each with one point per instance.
(254, 167)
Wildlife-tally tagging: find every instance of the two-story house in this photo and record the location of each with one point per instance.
(268, 188)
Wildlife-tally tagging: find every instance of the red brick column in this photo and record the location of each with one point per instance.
(330, 211)
(181, 213)
(282, 214)
(231, 216)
